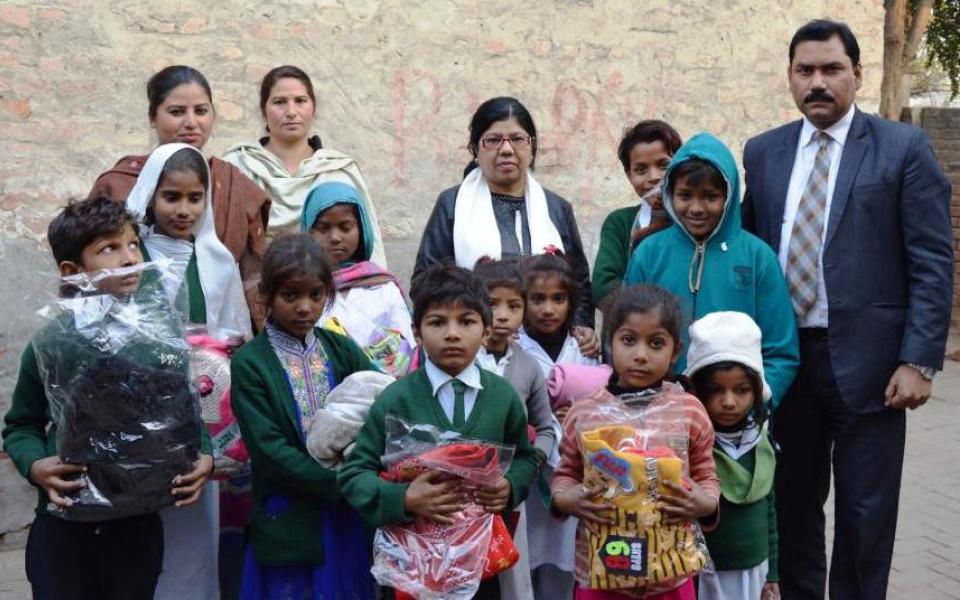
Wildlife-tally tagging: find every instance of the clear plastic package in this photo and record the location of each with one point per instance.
(630, 448)
(115, 368)
(430, 560)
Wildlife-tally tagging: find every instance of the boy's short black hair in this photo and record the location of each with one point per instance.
(500, 274)
(292, 256)
(698, 171)
(647, 132)
(449, 284)
(81, 222)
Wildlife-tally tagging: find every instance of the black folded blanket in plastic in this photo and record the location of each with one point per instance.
(136, 428)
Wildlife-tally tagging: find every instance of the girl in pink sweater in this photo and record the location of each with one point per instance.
(644, 332)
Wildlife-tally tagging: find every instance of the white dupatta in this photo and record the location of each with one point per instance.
(227, 312)
(475, 231)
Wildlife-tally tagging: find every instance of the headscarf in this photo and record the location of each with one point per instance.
(330, 194)
(362, 273)
(227, 312)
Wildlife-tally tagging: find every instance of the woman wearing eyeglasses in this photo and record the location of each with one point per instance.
(501, 211)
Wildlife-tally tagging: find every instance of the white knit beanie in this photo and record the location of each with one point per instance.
(726, 337)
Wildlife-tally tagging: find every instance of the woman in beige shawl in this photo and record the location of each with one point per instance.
(288, 162)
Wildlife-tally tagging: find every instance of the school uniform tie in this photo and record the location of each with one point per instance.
(803, 253)
(459, 408)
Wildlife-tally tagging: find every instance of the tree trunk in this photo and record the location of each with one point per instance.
(894, 34)
(902, 34)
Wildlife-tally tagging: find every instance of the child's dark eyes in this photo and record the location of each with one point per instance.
(515, 306)
(657, 343)
(628, 340)
(560, 298)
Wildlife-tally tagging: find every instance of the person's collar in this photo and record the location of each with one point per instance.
(313, 141)
(283, 340)
(438, 378)
(491, 356)
(837, 132)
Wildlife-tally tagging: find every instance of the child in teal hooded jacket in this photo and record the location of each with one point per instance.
(708, 261)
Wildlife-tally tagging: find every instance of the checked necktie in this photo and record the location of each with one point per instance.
(459, 410)
(803, 253)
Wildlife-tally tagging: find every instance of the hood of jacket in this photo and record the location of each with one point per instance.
(706, 147)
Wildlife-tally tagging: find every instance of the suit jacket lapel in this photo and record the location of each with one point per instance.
(782, 159)
(853, 151)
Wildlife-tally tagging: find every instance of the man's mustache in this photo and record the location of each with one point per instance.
(817, 96)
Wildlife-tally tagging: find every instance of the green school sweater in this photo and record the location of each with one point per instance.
(496, 417)
(290, 489)
(747, 533)
(29, 434)
(613, 254)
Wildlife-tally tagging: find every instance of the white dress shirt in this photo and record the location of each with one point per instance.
(443, 390)
(489, 362)
(802, 167)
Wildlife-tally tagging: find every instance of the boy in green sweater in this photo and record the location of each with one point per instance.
(112, 559)
(645, 151)
(451, 315)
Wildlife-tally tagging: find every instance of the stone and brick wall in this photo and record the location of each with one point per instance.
(397, 81)
(943, 127)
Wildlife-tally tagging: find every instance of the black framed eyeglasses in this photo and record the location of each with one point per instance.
(494, 142)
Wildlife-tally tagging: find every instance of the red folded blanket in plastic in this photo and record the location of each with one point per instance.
(430, 558)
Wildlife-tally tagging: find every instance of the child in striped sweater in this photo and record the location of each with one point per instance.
(645, 324)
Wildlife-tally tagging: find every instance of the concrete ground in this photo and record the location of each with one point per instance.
(926, 562)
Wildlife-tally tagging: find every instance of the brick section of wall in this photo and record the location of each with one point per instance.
(943, 127)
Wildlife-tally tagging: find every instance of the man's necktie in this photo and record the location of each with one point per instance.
(459, 410)
(803, 253)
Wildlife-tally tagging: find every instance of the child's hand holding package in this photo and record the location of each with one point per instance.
(584, 504)
(188, 487)
(683, 505)
(49, 472)
(493, 497)
(435, 496)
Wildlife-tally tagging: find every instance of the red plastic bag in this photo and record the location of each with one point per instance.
(425, 559)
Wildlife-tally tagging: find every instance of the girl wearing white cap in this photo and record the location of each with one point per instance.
(725, 363)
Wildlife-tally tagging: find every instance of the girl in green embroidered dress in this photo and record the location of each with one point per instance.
(305, 541)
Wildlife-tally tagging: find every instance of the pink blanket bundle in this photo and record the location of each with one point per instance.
(569, 383)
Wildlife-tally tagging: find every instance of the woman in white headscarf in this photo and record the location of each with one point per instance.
(172, 199)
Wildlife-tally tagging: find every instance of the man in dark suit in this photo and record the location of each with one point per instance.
(858, 210)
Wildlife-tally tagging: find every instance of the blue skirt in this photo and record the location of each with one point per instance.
(345, 574)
